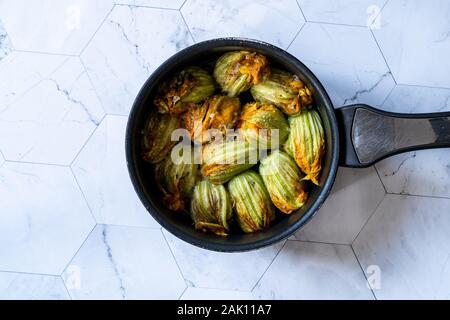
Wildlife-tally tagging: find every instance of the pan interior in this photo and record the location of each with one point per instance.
(204, 55)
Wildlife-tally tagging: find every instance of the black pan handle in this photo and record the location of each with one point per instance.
(369, 135)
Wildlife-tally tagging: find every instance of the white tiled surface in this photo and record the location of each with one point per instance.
(70, 223)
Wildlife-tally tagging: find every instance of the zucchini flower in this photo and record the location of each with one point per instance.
(283, 180)
(176, 179)
(306, 143)
(190, 86)
(211, 208)
(218, 112)
(263, 122)
(157, 136)
(223, 160)
(254, 210)
(237, 71)
(284, 90)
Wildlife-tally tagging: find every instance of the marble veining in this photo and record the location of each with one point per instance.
(273, 21)
(356, 71)
(107, 268)
(122, 54)
(5, 43)
(64, 102)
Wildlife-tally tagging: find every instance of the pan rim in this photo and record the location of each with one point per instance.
(325, 190)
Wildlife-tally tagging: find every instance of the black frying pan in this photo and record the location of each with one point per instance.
(356, 136)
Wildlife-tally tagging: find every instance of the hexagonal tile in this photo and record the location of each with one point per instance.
(169, 4)
(346, 60)
(5, 43)
(23, 286)
(43, 218)
(214, 294)
(229, 271)
(426, 172)
(122, 55)
(313, 271)
(21, 71)
(274, 21)
(352, 12)
(414, 37)
(106, 268)
(354, 197)
(101, 171)
(407, 239)
(51, 121)
(63, 26)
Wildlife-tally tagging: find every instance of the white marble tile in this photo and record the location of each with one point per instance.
(124, 263)
(354, 197)
(2, 159)
(21, 286)
(408, 240)
(414, 37)
(51, 121)
(123, 53)
(43, 218)
(415, 99)
(101, 171)
(229, 271)
(352, 12)
(63, 26)
(5, 43)
(215, 294)
(346, 60)
(313, 271)
(273, 21)
(169, 4)
(425, 172)
(20, 71)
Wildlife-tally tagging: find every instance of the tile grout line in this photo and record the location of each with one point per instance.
(65, 287)
(87, 140)
(418, 196)
(296, 36)
(78, 250)
(364, 274)
(187, 26)
(182, 5)
(146, 7)
(174, 259)
(97, 30)
(48, 53)
(184, 291)
(82, 193)
(318, 242)
(382, 54)
(268, 267)
(368, 219)
(422, 86)
(29, 273)
(301, 10)
(381, 180)
(92, 85)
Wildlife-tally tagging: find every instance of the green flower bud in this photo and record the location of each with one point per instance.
(223, 160)
(188, 87)
(211, 208)
(218, 112)
(157, 136)
(176, 178)
(283, 180)
(306, 143)
(254, 210)
(237, 71)
(284, 90)
(262, 123)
